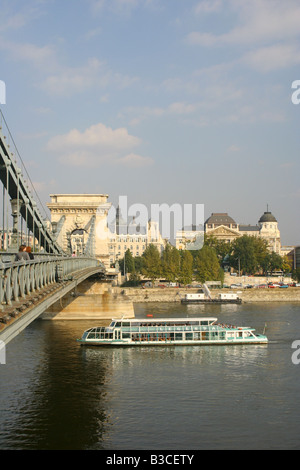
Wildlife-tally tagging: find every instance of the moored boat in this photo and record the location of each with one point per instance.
(200, 298)
(167, 332)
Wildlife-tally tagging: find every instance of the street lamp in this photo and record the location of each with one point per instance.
(54, 227)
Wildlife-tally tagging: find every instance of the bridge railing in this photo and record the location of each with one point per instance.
(23, 278)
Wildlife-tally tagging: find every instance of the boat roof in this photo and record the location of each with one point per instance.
(161, 320)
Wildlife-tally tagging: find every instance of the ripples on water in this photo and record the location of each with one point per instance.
(56, 394)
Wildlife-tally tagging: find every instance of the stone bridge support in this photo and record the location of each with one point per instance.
(93, 299)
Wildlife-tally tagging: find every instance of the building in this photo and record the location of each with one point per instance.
(293, 255)
(134, 237)
(223, 227)
(190, 238)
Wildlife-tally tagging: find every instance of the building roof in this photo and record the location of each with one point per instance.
(249, 228)
(267, 217)
(220, 219)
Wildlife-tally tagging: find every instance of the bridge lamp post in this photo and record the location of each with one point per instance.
(15, 212)
(54, 228)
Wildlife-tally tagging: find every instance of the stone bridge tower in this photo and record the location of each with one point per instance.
(79, 222)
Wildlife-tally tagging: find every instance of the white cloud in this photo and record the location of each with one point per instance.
(43, 58)
(273, 57)
(259, 21)
(59, 79)
(208, 6)
(97, 145)
(135, 161)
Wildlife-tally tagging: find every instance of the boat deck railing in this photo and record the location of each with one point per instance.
(175, 328)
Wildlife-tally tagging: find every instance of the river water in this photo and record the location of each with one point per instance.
(56, 394)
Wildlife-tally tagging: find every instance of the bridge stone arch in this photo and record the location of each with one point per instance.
(79, 214)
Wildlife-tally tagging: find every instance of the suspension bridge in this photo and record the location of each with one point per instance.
(28, 288)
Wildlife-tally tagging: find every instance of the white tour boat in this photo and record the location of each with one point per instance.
(166, 332)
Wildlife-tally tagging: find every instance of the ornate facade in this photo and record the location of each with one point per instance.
(133, 237)
(223, 227)
(80, 223)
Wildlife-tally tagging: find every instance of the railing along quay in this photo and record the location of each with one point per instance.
(24, 283)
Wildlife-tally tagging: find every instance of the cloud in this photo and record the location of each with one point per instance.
(135, 161)
(58, 79)
(142, 113)
(43, 58)
(259, 22)
(273, 57)
(122, 6)
(233, 148)
(208, 6)
(97, 145)
(94, 74)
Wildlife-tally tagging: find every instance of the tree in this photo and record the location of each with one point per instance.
(129, 263)
(248, 254)
(296, 274)
(222, 247)
(272, 262)
(151, 262)
(170, 263)
(207, 265)
(138, 263)
(186, 267)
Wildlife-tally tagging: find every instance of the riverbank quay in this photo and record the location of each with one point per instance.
(175, 294)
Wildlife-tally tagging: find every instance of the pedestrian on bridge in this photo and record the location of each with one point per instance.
(22, 255)
(28, 250)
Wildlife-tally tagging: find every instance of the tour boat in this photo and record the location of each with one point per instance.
(166, 332)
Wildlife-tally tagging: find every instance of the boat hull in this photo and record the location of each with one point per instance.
(116, 343)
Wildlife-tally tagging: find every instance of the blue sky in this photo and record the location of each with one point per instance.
(164, 101)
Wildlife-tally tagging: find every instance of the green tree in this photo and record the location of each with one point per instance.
(207, 265)
(296, 274)
(221, 247)
(272, 262)
(170, 263)
(129, 263)
(186, 267)
(138, 263)
(151, 262)
(243, 256)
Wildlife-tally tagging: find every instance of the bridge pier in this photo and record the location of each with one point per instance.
(93, 299)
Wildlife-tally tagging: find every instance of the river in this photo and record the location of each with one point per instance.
(56, 394)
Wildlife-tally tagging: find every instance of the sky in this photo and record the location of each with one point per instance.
(162, 101)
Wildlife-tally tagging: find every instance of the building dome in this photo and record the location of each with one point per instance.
(267, 217)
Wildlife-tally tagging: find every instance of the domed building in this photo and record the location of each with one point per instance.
(223, 227)
(268, 229)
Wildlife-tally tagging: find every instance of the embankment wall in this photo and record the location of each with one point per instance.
(290, 294)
